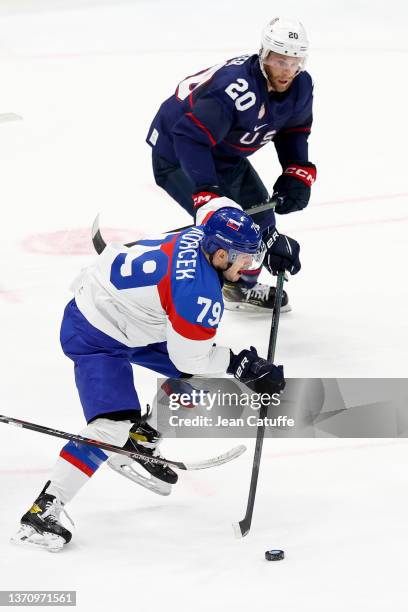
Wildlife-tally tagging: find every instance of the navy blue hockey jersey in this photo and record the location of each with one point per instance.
(225, 112)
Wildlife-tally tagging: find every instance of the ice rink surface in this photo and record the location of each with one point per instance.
(87, 82)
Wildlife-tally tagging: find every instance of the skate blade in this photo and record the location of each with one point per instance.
(245, 307)
(28, 536)
(151, 483)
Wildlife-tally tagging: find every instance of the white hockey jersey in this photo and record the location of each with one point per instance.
(155, 291)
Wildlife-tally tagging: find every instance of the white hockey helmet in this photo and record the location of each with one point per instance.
(286, 37)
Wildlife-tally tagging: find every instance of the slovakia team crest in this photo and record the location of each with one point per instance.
(235, 225)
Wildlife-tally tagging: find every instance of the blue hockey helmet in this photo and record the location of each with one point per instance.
(234, 231)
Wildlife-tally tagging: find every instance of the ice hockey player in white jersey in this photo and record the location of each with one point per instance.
(157, 304)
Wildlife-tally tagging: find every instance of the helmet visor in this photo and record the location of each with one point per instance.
(247, 261)
(276, 61)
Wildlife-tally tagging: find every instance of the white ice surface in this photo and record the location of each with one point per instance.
(87, 82)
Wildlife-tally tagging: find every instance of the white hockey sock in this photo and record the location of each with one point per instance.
(78, 462)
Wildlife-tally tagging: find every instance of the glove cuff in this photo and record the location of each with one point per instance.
(271, 237)
(230, 368)
(305, 172)
(204, 194)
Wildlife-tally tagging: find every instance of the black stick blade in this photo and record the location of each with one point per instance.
(97, 240)
(242, 528)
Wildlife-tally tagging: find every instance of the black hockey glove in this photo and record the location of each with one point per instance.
(282, 253)
(292, 189)
(256, 373)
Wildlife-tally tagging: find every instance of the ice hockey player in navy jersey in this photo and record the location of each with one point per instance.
(202, 136)
(158, 304)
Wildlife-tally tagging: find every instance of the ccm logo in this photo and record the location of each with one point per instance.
(301, 173)
(241, 367)
(203, 198)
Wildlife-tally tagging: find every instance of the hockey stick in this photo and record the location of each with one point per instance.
(242, 528)
(251, 210)
(100, 244)
(233, 453)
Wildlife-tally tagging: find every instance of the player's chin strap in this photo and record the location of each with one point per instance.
(100, 244)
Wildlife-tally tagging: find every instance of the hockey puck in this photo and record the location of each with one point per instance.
(274, 555)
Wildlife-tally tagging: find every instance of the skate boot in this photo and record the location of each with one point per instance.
(41, 526)
(143, 438)
(259, 298)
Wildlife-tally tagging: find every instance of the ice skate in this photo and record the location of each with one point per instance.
(145, 439)
(41, 527)
(259, 298)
